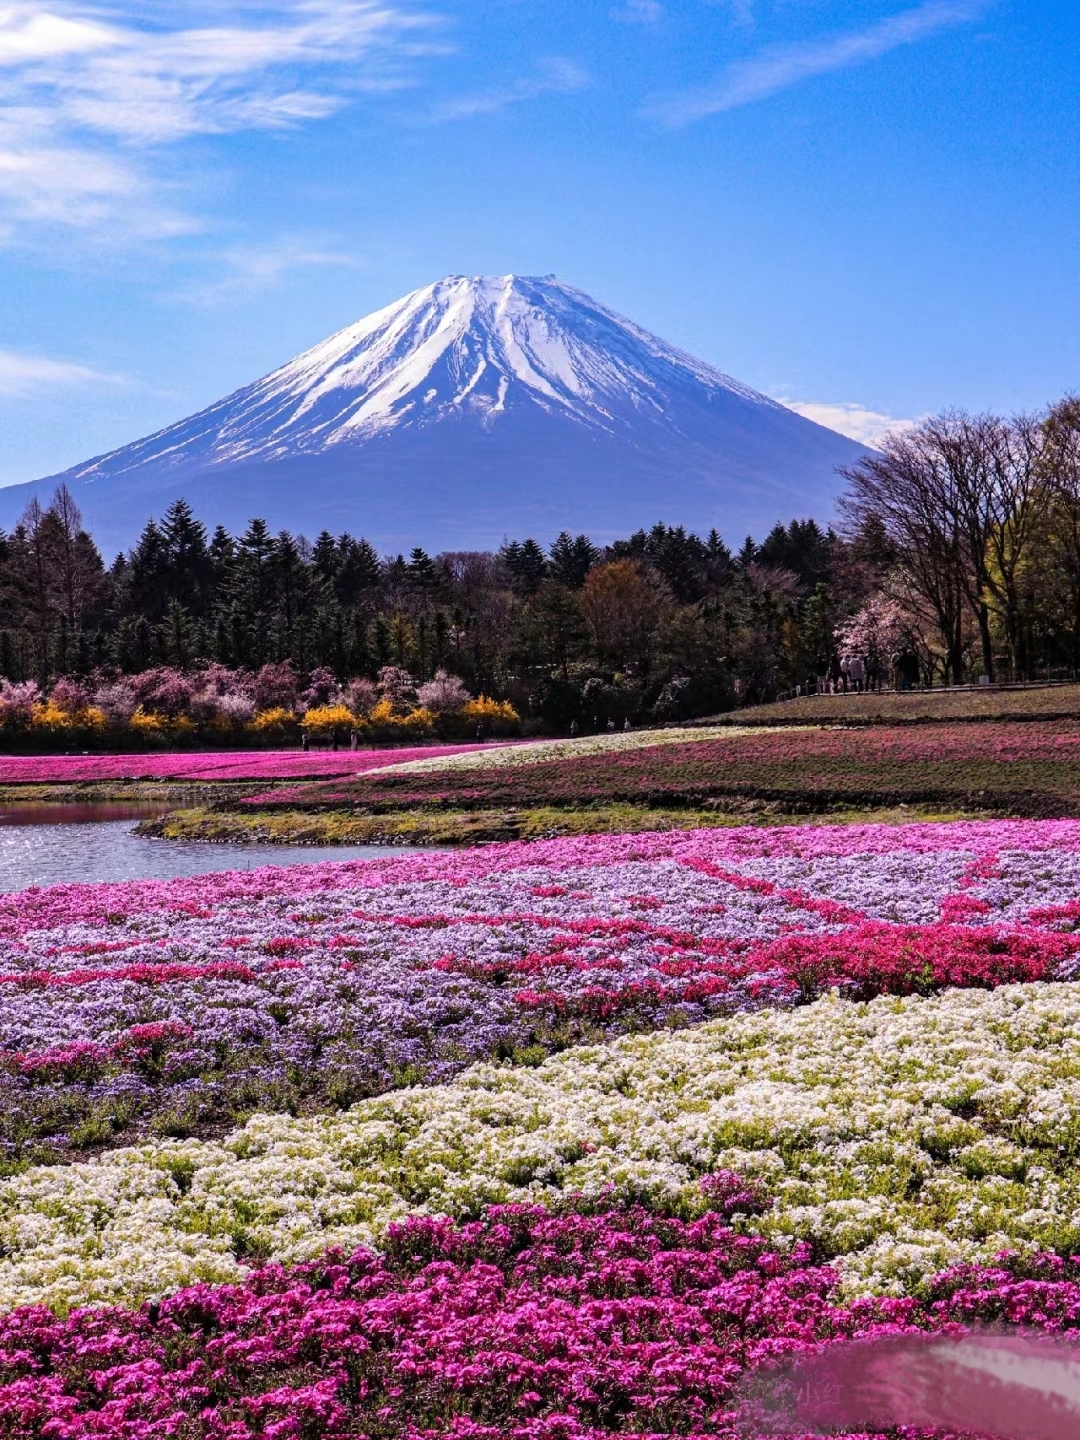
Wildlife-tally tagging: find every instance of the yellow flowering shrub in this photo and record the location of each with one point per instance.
(276, 720)
(147, 722)
(498, 717)
(323, 719)
(47, 716)
(380, 714)
(382, 723)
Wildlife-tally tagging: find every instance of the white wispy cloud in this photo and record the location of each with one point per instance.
(639, 12)
(556, 75)
(27, 34)
(848, 417)
(245, 270)
(779, 67)
(741, 11)
(91, 92)
(21, 374)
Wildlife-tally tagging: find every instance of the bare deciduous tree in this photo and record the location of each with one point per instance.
(1061, 475)
(960, 497)
(909, 489)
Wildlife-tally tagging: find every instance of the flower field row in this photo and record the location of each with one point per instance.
(533, 1142)
(176, 1009)
(533, 752)
(523, 1325)
(208, 764)
(833, 853)
(1036, 764)
(616, 743)
(898, 1137)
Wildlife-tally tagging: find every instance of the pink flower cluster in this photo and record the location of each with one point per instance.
(141, 1046)
(209, 764)
(523, 1325)
(844, 848)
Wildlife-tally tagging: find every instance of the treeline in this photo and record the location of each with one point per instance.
(961, 547)
(663, 623)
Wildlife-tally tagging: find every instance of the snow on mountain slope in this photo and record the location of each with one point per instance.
(469, 410)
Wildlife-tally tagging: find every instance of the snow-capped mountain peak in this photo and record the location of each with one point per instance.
(479, 344)
(470, 409)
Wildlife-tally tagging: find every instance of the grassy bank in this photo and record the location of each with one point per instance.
(477, 827)
(124, 792)
(891, 707)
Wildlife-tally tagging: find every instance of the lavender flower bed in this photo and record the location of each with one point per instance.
(176, 1009)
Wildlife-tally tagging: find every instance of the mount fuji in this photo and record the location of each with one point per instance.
(472, 410)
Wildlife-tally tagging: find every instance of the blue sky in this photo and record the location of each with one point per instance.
(870, 209)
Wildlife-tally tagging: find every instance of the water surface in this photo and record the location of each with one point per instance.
(78, 812)
(93, 850)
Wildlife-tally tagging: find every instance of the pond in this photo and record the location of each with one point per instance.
(57, 844)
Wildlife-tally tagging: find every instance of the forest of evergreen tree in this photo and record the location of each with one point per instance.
(664, 622)
(959, 559)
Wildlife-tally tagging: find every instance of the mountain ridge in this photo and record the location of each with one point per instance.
(468, 410)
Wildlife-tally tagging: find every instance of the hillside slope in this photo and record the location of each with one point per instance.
(469, 410)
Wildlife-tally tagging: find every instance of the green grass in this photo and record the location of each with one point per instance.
(105, 792)
(474, 827)
(890, 707)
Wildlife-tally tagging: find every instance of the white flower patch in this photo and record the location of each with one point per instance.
(899, 1136)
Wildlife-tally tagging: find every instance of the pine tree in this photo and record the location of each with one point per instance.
(718, 563)
(148, 584)
(525, 564)
(189, 568)
(571, 560)
(423, 578)
(178, 637)
(252, 579)
(358, 571)
(222, 553)
(324, 558)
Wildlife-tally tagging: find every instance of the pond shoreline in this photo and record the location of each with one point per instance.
(111, 851)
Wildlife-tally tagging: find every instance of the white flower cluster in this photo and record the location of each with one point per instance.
(900, 1136)
(537, 751)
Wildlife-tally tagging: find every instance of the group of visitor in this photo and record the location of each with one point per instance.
(334, 740)
(854, 674)
(575, 729)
